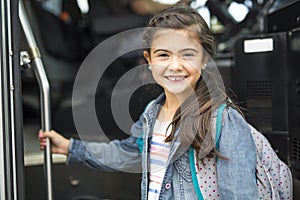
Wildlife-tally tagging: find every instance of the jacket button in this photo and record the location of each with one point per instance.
(167, 186)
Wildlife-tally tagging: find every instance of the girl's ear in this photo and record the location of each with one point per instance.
(205, 59)
(147, 56)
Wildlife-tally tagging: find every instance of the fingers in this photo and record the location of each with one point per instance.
(43, 142)
(43, 145)
(59, 143)
(43, 135)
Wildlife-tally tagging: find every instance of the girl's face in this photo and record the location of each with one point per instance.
(176, 58)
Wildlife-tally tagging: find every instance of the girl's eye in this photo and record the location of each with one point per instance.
(163, 55)
(188, 55)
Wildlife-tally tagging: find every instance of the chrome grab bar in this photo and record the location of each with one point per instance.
(44, 94)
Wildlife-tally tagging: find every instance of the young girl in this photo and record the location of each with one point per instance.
(178, 44)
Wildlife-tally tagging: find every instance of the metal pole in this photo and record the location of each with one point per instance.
(44, 95)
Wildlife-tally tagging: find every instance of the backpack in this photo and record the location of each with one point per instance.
(274, 178)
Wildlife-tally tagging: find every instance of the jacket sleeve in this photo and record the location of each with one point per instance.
(123, 155)
(236, 176)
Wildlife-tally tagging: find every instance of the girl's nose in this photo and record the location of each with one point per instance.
(175, 63)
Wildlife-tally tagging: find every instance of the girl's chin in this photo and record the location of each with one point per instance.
(181, 91)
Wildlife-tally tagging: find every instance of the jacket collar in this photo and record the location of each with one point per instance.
(153, 108)
(150, 115)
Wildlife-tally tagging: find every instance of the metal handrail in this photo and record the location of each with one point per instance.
(44, 94)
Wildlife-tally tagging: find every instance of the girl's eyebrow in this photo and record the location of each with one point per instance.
(182, 50)
(189, 49)
(157, 50)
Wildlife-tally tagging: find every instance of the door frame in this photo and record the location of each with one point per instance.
(11, 120)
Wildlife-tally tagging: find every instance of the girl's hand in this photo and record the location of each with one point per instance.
(60, 145)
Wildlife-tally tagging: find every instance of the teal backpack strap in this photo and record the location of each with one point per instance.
(140, 143)
(192, 154)
(193, 172)
(219, 124)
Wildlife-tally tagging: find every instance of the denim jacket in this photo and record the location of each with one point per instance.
(236, 176)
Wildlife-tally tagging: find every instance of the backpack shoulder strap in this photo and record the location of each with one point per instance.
(192, 155)
(194, 175)
(219, 123)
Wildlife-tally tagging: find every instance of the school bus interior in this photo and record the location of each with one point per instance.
(266, 84)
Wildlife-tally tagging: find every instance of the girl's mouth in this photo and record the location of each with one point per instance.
(175, 78)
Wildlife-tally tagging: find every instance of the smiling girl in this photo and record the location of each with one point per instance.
(178, 44)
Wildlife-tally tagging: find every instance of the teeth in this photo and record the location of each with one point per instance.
(176, 78)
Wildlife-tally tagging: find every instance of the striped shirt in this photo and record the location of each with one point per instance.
(159, 152)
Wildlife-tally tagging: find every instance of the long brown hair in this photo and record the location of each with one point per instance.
(193, 117)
